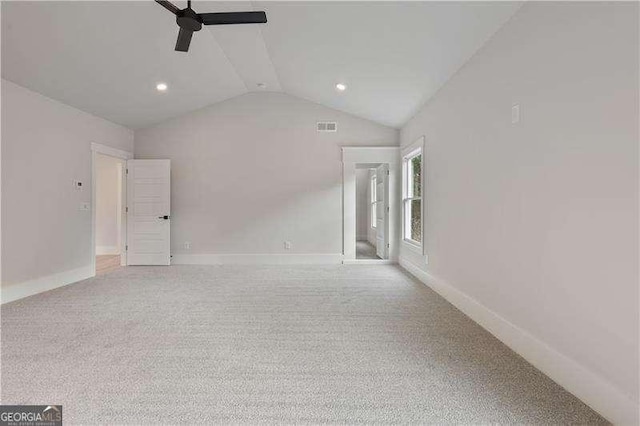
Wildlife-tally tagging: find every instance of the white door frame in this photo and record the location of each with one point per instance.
(351, 156)
(384, 184)
(97, 148)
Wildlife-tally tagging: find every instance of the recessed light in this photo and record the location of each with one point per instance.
(341, 87)
(161, 87)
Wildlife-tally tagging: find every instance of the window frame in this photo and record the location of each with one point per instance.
(408, 154)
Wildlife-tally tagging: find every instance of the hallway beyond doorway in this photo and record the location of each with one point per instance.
(107, 263)
(365, 250)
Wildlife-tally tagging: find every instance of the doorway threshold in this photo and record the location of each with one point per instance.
(368, 262)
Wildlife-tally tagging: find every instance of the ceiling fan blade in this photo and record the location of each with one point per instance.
(227, 18)
(184, 40)
(169, 6)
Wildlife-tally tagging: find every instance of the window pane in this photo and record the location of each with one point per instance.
(415, 220)
(416, 178)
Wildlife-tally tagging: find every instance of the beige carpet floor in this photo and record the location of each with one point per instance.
(239, 344)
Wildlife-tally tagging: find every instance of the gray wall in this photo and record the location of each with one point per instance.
(46, 145)
(538, 221)
(252, 172)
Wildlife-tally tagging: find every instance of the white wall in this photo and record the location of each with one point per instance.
(252, 172)
(107, 204)
(538, 222)
(362, 203)
(46, 145)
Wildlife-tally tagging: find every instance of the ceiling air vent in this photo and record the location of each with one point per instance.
(327, 126)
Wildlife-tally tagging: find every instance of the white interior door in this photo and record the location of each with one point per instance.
(381, 211)
(148, 212)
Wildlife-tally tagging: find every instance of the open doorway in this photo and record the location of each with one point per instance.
(105, 163)
(382, 207)
(109, 244)
(371, 211)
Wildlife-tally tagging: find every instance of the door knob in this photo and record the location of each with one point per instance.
(166, 217)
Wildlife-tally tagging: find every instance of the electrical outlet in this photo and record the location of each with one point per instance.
(84, 207)
(187, 245)
(287, 245)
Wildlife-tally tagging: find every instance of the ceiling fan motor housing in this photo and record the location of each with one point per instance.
(188, 20)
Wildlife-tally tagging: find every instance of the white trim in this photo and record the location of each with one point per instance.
(416, 145)
(594, 390)
(97, 148)
(415, 148)
(111, 152)
(11, 292)
(351, 156)
(412, 246)
(107, 250)
(369, 262)
(256, 259)
(121, 221)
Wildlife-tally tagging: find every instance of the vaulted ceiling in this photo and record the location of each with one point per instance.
(106, 57)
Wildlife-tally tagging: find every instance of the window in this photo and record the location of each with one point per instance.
(374, 197)
(412, 197)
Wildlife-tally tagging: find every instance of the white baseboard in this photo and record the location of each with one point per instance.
(12, 292)
(369, 262)
(256, 259)
(594, 390)
(105, 250)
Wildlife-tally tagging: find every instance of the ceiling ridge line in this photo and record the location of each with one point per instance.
(266, 48)
(233, 67)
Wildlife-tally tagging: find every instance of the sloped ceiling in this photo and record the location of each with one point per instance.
(106, 57)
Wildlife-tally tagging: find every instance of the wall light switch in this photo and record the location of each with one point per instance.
(515, 114)
(84, 207)
(287, 245)
(78, 185)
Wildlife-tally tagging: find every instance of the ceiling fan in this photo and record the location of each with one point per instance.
(190, 21)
